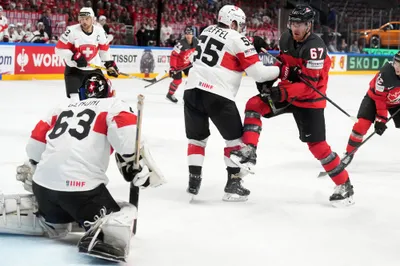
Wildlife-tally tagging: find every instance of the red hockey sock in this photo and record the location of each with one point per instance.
(330, 161)
(255, 109)
(173, 86)
(359, 130)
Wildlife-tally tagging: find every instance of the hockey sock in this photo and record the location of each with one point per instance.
(359, 130)
(231, 145)
(330, 161)
(196, 152)
(173, 86)
(255, 108)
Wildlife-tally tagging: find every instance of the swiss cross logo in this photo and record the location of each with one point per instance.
(89, 50)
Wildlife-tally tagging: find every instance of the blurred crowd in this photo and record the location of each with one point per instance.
(129, 21)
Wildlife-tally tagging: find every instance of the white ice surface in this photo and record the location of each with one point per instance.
(287, 220)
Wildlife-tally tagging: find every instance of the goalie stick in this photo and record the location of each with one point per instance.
(134, 190)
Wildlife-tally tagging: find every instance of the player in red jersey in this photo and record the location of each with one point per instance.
(302, 49)
(383, 97)
(181, 58)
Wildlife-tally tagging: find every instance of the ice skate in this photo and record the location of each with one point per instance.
(172, 98)
(194, 185)
(245, 158)
(234, 191)
(342, 195)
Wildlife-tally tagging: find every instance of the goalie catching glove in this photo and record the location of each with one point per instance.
(148, 173)
(25, 173)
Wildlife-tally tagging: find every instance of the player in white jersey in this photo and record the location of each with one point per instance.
(3, 24)
(39, 35)
(68, 155)
(83, 44)
(20, 33)
(223, 54)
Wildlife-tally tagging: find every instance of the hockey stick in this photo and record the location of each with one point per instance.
(322, 174)
(134, 190)
(166, 75)
(121, 73)
(353, 118)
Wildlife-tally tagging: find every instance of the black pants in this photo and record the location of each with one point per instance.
(74, 78)
(310, 121)
(60, 207)
(368, 111)
(200, 106)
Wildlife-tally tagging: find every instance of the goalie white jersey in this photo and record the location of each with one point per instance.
(222, 56)
(94, 46)
(73, 144)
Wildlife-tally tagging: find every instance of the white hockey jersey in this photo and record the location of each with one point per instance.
(36, 36)
(3, 26)
(73, 144)
(94, 46)
(19, 36)
(222, 56)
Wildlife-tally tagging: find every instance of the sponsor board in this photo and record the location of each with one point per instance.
(37, 60)
(7, 59)
(360, 62)
(338, 62)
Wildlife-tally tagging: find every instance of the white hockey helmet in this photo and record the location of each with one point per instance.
(86, 12)
(229, 13)
(1, 9)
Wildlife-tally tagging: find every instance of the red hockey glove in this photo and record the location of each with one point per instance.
(80, 59)
(290, 73)
(112, 69)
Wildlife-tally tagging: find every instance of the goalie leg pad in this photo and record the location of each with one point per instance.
(110, 234)
(156, 177)
(18, 216)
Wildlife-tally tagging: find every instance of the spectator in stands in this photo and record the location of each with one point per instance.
(165, 33)
(151, 34)
(354, 48)
(46, 20)
(331, 18)
(141, 36)
(343, 46)
(171, 42)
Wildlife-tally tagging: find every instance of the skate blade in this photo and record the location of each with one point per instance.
(103, 257)
(229, 197)
(248, 167)
(343, 203)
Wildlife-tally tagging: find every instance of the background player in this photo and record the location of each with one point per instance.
(181, 58)
(383, 97)
(222, 55)
(303, 49)
(80, 45)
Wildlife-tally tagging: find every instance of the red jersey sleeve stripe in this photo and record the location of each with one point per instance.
(104, 47)
(61, 45)
(124, 119)
(100, 125)
(245, 62)
(231, 62)
(41, 129)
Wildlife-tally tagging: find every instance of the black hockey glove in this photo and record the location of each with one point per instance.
(275, 93)
(259, 43)
(290, 73)
(80, 59)
(380, 127)
(173, 73)
(139, 177)
(112, 69)
(265, 84)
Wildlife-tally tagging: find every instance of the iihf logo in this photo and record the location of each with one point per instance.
(73, 183)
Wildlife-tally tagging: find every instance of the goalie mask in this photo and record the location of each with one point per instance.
(96, 86)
